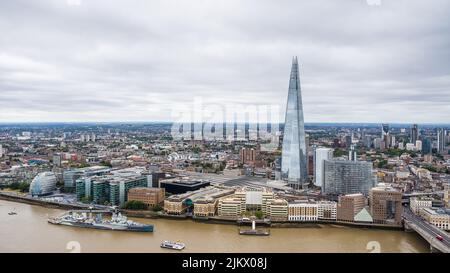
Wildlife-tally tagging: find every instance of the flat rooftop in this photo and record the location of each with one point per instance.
(184, 182)
(204, 195)
(437, 211)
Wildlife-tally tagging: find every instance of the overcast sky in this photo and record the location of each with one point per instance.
(80, 60)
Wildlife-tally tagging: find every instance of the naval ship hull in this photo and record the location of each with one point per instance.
(145, 228)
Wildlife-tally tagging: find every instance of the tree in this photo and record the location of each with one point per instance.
(106, 163)
(339, 153)
(394, 152)
(22, 186)
(86, 200)
(430, 168)
(84, 165)
(382, 164)
(157, 208)
(259, 214)
(135, 205)
(246, 214)
(14, 186)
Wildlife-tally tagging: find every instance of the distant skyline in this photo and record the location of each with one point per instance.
(307, 124)
(137, 61)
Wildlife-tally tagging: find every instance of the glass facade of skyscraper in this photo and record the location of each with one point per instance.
(293, 159)
(348, 177)
(108, 189)
(426, 146)
(414, 135)
(441, 139)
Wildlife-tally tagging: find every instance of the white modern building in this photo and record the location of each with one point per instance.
(418, 145)
(320, 155)
(410, 146)
(393, 142)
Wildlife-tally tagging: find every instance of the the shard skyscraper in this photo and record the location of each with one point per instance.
(293, 158)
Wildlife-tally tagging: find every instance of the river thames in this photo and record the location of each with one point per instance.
(28, 231)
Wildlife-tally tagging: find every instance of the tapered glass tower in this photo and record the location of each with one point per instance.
(293, 158)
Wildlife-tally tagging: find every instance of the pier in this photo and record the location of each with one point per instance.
(254, 231)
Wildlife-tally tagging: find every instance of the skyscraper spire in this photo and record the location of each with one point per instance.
(293, 158)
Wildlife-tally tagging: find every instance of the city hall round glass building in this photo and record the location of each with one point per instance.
(43, 184)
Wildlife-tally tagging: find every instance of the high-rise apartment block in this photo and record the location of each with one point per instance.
(414, 133)
(248, 155)
(441, 140)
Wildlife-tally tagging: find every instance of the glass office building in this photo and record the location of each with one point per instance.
(71, 176)
(441, 139)
(109, 190)
(348, 177)
(426, 146)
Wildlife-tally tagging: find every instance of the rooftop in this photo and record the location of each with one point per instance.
(437, 211)
(353, 195)
(384, 187)
(205, 195)
(184, 182)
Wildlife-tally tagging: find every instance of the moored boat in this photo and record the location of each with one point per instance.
(172, 245)
(117, 222)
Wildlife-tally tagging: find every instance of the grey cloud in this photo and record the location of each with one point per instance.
(140, 60)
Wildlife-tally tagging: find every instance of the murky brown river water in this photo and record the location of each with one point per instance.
(28, 231)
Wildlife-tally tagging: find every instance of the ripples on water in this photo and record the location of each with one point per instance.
(28, 231)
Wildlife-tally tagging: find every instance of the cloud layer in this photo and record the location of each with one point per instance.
(143, 60)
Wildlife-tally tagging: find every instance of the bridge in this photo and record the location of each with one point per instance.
(427, 231)
(407, 196)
